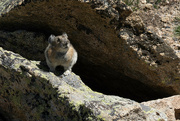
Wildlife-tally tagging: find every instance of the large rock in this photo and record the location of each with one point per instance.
(170, 105)
(137, 64)
(29, 93)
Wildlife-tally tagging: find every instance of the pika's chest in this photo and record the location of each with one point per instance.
(55, 56)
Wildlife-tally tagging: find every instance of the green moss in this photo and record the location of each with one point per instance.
(158, 2)
(101, 118)
(177, 31)
(134, 4)
(163, 81)
(40, 109)
(177, 79)
(16, 99)
(43, 76)
(160, 119)
(148, 112)
(177, 19)
(131, 2)
(155, 6)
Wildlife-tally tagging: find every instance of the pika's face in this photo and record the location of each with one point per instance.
(59, 42)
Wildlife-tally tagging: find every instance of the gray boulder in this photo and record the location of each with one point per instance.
(29, 93)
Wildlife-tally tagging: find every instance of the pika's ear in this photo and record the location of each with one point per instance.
(65, 35)
(51, 38)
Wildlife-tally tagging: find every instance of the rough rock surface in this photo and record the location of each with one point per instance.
(139, 64)
(116, 54)
(7, 5)
(29, 93)
(162, 20)
(170, 105)
(26, 43)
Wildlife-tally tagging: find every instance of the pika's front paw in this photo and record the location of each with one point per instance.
(66, 73)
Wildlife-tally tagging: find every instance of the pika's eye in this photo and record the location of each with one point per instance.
(58, 40)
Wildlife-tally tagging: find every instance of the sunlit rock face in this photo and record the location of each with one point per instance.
(117, 54)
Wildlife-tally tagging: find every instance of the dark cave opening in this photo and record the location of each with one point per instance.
(111, 83)
(107, 81)
(4, 116)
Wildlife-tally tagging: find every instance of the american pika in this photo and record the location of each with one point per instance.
(60, 52)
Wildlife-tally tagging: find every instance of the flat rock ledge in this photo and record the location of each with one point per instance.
(30, 93)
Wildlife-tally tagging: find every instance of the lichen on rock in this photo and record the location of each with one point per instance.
(117, 55)
(168, 105)
(142, 62)
(34, 94)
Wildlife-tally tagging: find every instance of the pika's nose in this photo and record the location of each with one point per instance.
(66, 44)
